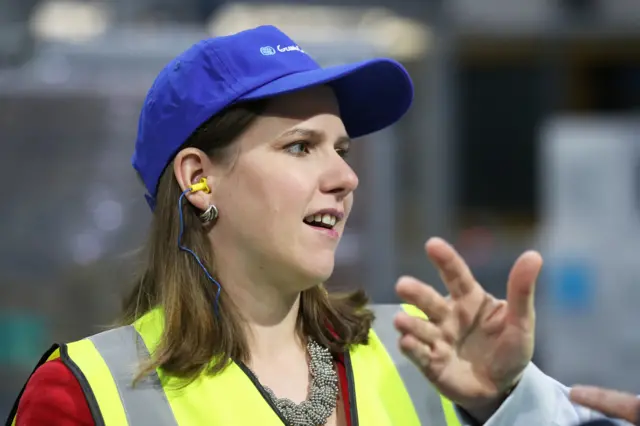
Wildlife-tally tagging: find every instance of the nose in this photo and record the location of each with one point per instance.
(339, 178)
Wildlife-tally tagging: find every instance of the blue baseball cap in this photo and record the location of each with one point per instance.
(254, 64)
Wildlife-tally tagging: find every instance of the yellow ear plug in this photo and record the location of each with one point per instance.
(201, 186)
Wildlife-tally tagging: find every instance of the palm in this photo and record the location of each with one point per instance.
(489, 354)
(474, 347)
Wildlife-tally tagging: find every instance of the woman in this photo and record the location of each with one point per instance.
(241, 148)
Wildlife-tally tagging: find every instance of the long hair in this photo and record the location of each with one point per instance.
(194, 340)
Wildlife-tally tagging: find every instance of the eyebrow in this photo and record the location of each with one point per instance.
(308, 133)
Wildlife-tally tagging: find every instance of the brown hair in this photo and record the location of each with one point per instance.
(194, 339)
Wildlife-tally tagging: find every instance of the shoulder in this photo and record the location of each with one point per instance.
(53, 397)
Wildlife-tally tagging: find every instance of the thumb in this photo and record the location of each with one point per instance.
(521, 285)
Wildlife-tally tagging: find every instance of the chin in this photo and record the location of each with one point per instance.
(315, 271)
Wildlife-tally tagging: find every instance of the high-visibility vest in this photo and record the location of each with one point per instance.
(384, 388)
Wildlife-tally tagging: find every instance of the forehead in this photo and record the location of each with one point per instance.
(314, 109)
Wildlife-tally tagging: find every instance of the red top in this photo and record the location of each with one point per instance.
(53, 397)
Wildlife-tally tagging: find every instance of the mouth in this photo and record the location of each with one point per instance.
(326, 219)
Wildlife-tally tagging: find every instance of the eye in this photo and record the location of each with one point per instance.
(298, 148)
(343, 152)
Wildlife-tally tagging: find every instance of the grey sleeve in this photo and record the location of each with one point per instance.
(538, 400)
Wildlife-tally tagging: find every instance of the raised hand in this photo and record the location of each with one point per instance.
(474, 347)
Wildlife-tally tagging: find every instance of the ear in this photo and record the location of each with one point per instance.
(189, 166)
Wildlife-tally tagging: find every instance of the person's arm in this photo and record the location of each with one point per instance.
(538, 400)
(53, 397)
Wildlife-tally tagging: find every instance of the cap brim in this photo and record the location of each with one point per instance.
(371, 94)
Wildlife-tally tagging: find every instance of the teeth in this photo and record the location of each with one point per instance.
(329, 220)
(326, 219)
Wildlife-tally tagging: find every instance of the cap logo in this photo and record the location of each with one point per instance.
(290, 49)
(267, 50)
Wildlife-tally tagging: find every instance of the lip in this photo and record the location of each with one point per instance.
(331, 233)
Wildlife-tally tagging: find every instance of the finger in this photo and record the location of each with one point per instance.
(424, 297)
(453, 269)
(425, 331)
(521, 285)
(609, 402)
(418, 353)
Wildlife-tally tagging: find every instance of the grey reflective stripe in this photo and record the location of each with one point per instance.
(426, 399)
(145, 404)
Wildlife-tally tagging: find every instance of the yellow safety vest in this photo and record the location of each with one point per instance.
(385, 389)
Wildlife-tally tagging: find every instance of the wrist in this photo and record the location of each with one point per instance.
(483, 410)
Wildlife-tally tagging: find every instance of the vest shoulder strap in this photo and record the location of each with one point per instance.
(122, 351)
(431, 407)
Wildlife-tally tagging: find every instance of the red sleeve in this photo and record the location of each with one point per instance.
(344, 387)
(344, 382)
(53, 397)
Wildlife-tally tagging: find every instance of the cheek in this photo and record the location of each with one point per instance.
(348, 204)
(266, 195)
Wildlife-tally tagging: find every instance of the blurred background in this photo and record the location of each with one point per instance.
(523, 134)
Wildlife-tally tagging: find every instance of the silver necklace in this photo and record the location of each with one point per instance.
(323, 391)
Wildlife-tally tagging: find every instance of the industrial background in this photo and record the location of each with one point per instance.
(525, 133)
